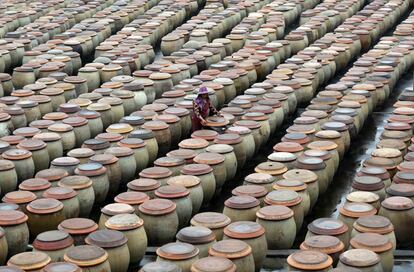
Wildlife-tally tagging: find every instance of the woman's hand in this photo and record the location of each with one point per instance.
(203, 121)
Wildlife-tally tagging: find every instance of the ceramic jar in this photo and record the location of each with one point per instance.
(360, 259)
(210, 264)
(241, 208)
(85, 194)
(160, 266)
(115, 244)
(216, 161)
(193, 184)
(375, 224)
(68, 197)
(309, 260)
(329, 226)
(326, 244)
(205, 173)
(100, 183)
(44, 214)
(201, 237)
(23, 162)
(9, 176)
(133, 228)
(158, 213)
(13, 223)
(212, 220)
(54, 243)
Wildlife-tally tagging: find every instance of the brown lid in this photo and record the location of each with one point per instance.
(256, 191)
(160, 266)
(228, 138)
(155, 172)
(309, 260)
(19, 197)
(259, 178)
(209, 158)
(106, 238)
(31, 144)
(52, 174)
(270, 167)
(244, 230)
(169, 162)
(274, 213)
(86, 255)
(327, 226)
(356, 210)
(12, 217)
(184, 180)
(143, 184)
(230, 248)
(60, 193)
(242, 202)
(35, 260)
(117, 208)
(44, 206)
(132, 198)
(196, 169)
(324, 243)
(61, 267)
(124, 222)
(10, 269)
(52, 240)
(211, 220)
(157, 207)
(359, 258)
(177, 251)
(213, 264)
(196, 235)
(374, 223)
(367, 183)
(172, 191)
(206, 134)
(397, 203)
(193, 143)
(283, 197)
(35, 184)
(373, 241)
(78, 226)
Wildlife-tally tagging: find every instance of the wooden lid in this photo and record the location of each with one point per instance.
(106, 238)
(177, 251)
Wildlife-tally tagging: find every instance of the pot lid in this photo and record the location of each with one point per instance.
(12, 217)
(177, 251)
(206, 134)
(242, 202)
(106, 238)
(324, 243)
(161, 266)
(35, 260)
(124, 222)
(283, 197)
(155, 172)
(272, 168)
(52, 174)
(65, 161)
(9, 207)
(211, 220)
(62, 267)
(309, 260)
(52, 240)
(81, 152)
(186, 181)
(169, 162)
(60, 193)
(327, 226)
(259, 178)
(213, 264)
(143, 184)
(362, 197)
(244, 230)
(172, 191)
(196, 235)
(44, 206)
(367, 183)
(209, 158)
(78, 226)
(86, 255)
(397, 203)
(230, 248)
(356, 210)
(401, 189)
(193, 143)
(117, 208)
(19, 197)
(132, 198)
(157, 206)
(75, 182)
(374, 223)
(373, 241)
(359, 258)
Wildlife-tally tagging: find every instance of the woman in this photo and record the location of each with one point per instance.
(202, 108)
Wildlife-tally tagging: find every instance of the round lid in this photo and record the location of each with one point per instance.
(397, 203)
(242, 202)
(362, 197)
(52, 240)
(9, 207)
(272, 168)
(230, 248)
(19, 197)
(327, 226)
(78, 226)
(228, 138)
(44, 206)
(359, 258)
(209, 158)
(283, 197)
(367, 183)
(193, 143)
(244, 230)
(86, 255)
(309, 260)
(12, 217)
(60, 193)
(132, 198)
(106, 238)
(324, 243)
(124, 222)
(143, 184)
(274, 212)
(155, 172)
(206, 134)
(374, 223)
(356, 210)
(401, 189)
(172, 191)
(211, 220)
(256, 191)
(169, 162)
(196, 235)
(117, 208)
(291, 184)
(65, 161)
(157, 206)
(52, 174)
(177, 251)
(160, 266)
(213, 264)
(186, 154)
(259, 178)
(372, 241)
(186, 181)
(196, 169)
(61, 267)
(6, 165)
(35, 260)
(10, 269)
(75, 182)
